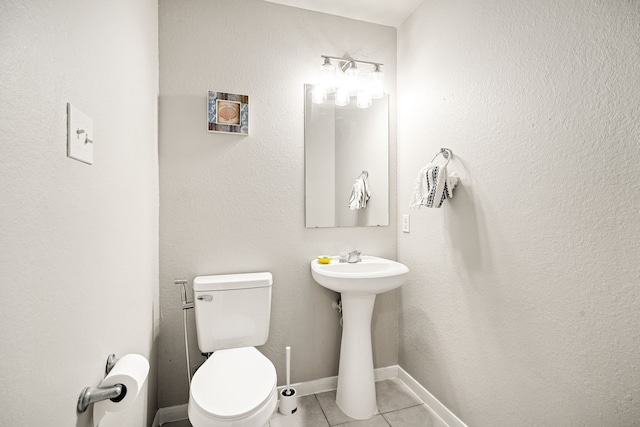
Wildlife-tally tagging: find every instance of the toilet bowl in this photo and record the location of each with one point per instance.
(233, 388)
(236, 385)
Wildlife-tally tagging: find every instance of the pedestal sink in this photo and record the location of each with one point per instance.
(359, 283)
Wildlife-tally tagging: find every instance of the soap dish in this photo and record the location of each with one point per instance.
(324, 259)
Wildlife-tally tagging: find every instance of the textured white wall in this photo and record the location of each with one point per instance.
(78, 243)
(236, 204)
(522, 308)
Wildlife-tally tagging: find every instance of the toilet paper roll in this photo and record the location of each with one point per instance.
(131, 370)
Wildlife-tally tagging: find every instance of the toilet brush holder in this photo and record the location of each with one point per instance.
(288, 401)
(288, 396)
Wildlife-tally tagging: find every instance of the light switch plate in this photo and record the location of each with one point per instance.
(405, 223)
(79, 135)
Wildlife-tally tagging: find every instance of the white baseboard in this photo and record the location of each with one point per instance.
(388, 373)
(179, 412)
(312, 387)
(448, 417)
(331, 383)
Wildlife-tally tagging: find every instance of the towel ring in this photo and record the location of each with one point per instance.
(446, 153)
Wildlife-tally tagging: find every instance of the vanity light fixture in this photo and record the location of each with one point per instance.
(347, 81)
(364, 99)
(328, 76)
(377, 83)
(353, 78)
(319, 94)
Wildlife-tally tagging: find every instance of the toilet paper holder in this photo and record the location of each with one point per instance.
(91, 395)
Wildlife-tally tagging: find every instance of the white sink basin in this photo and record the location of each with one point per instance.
(359, 283)
(372, 275)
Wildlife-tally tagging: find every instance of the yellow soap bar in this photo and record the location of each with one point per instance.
(324, 259)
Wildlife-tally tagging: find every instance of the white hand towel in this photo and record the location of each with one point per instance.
(366, 194)
(433, 186)
(360, 194)
(356, 195)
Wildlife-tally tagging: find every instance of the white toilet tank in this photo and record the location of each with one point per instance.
(232, 310)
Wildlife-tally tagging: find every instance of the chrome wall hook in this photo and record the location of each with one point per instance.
(446, 153)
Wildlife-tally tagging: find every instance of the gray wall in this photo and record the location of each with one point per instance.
(236, 204)
(522, 306)
(78, 243)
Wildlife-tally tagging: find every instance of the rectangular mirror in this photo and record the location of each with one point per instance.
(340, 143)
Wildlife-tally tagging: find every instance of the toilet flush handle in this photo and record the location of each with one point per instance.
(206, 298)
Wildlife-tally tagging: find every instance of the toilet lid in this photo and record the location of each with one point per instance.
(233, 383)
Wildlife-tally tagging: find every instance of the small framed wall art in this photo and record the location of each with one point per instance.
(228, 113)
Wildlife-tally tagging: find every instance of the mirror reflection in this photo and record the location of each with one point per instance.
(346, 163)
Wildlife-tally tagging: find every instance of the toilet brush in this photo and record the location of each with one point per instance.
(288, 398)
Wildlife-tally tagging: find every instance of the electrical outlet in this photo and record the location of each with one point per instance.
(405, 223)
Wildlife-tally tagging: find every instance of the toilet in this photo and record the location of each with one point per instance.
(236, 385)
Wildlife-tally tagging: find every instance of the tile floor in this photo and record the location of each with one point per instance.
(398, 406)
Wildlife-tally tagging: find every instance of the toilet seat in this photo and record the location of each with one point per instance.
(233, 384)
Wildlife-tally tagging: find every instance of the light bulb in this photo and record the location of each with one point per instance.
(328, 76)
(353, 81)
(318, 94)
(342, 96)
(364, 99)
(376, 82)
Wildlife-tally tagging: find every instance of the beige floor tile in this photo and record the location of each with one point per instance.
(330, 408)
(377, 421)
(415, 416)
(393, 395)
(309, 414)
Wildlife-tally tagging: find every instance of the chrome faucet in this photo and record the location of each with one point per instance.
(354, 256)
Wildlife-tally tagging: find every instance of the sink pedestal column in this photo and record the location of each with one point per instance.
(356, 394)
